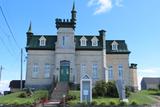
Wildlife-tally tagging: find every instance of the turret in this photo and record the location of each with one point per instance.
(29, 33)
(73, 13)
(67, 23)
(103, 34)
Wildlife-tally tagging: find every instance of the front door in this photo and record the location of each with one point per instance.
(64, 71)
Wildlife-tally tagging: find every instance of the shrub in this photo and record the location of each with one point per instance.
(127, 92)
(22, 95)
(111, 89)
(134, 103)
(159, 86)
(105, 89)
(94, 103)
(122, 103)
(102, 104)
(112, 103)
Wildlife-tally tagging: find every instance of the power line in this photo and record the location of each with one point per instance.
(6, 46)
(9, 27)
(7, 38)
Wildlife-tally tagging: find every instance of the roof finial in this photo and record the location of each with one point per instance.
(73, 8)
(30, 27)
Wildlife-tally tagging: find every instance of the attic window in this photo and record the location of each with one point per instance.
(42, 41)
(83, 41)
(94, 41)
(114, 46)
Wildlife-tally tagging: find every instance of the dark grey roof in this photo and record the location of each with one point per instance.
(33, 44)
(16, 84)
(89, 43)
(151, 80)
(122, 47)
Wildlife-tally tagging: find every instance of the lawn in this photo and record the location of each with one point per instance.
(141, 98)
(13, 99)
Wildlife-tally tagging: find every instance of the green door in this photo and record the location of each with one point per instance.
(64, 73)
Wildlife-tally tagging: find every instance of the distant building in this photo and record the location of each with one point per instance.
(15, 85)
(67, 57)
(150, 83)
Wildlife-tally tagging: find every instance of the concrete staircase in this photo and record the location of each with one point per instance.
(57, 95)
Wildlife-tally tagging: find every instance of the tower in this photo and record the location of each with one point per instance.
(73, 13)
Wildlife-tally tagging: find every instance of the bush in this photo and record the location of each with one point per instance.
(102, 104)
(122, 103)
(94, 103)
(134, 103)
(127, 92)
(22, 95)
(103, 89)
(112, 103)
(112, 89)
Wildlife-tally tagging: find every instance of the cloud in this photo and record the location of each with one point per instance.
(119, 3)
(4, 85)
(103, 6)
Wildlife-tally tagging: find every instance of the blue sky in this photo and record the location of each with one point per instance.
(136, 21)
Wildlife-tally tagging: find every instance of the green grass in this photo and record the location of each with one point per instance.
(141, 98)
(13, 99)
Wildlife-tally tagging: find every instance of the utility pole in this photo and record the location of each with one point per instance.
(0, 72)
(21, 68)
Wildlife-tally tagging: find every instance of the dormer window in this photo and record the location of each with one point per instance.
(94, 41)
(114, 46)
(83, 41)
(42, 41)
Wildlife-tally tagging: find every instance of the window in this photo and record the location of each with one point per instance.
(95, 71)
(83, 69)
(35, 71)
(94, 41)
(114, 46)
(47, 71)
(110, 73)
(120, 71)
(42, 41)
(83, 41)
(63, 41)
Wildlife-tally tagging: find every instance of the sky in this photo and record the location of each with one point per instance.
(135, 21)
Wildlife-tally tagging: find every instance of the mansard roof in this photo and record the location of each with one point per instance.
(122, 47)
(33, 44)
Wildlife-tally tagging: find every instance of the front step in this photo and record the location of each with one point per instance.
(57, 95)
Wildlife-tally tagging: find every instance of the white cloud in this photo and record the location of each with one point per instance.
(102, 6)
(119, 3)
(4, 85)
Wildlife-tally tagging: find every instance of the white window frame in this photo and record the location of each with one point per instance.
(47, 70)
(114, 46)
(94, 41)
(35, 71)
(110, 72)
(42, 41)
(95, 71)
(83, 41)
(120, 71)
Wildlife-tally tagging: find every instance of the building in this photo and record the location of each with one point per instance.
(15, 85)
(150, 83)
(67, 57)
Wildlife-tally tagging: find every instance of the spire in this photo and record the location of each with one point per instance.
(73, 17)
(73, 8)
(30, 28)
(29, 32)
